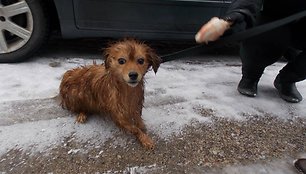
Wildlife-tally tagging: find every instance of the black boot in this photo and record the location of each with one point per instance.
(248, 87)
(300, 165)
(287, 91)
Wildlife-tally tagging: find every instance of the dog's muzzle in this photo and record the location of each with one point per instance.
(133, 79)
(133, 76)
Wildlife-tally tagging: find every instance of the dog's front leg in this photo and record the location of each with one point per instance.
(139, 123)
(145, 140)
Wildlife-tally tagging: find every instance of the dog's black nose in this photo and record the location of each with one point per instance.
(133, 75)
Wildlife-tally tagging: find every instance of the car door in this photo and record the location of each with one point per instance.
(162, 18)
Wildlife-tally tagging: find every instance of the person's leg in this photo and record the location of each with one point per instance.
(291, 73)
(295, 70)
(257, 53)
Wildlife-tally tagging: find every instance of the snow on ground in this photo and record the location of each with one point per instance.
(173, 96)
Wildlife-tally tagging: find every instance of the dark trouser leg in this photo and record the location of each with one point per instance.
(295, 70)
(256, 54)
(261, 51)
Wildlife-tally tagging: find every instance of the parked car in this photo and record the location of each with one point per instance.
(25, 25)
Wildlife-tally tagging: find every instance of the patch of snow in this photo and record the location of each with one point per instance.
(29, 136)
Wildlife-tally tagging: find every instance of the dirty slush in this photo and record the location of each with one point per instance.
(215, 145)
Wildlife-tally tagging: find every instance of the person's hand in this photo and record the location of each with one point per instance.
(212, 30)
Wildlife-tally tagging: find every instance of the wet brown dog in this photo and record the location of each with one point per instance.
(115, 88)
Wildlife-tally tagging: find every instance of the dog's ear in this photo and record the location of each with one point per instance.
(154, 59)
(107, 59)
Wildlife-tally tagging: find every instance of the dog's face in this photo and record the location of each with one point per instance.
(130, 60)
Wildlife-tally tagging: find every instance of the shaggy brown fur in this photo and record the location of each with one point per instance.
(115, 88)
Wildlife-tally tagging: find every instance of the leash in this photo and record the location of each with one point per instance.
(233, 38)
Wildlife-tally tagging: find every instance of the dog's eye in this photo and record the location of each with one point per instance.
(121, 61)
(140, 61)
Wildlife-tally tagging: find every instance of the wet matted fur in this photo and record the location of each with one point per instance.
(115, 88)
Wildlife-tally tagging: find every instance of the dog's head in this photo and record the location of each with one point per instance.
(130, 60)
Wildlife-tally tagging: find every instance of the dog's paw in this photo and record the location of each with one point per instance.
(81, 118)
(146, 141)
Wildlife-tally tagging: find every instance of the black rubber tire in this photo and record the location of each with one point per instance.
(39, 35)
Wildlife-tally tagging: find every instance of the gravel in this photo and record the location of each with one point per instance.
(200, 147)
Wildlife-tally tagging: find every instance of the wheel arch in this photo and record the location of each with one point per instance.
(52, 14)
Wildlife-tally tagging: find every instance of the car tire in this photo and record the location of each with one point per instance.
(24, 29)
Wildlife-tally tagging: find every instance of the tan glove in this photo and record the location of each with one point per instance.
(212, 30)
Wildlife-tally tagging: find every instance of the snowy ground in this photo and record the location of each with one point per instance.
(171, 101)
